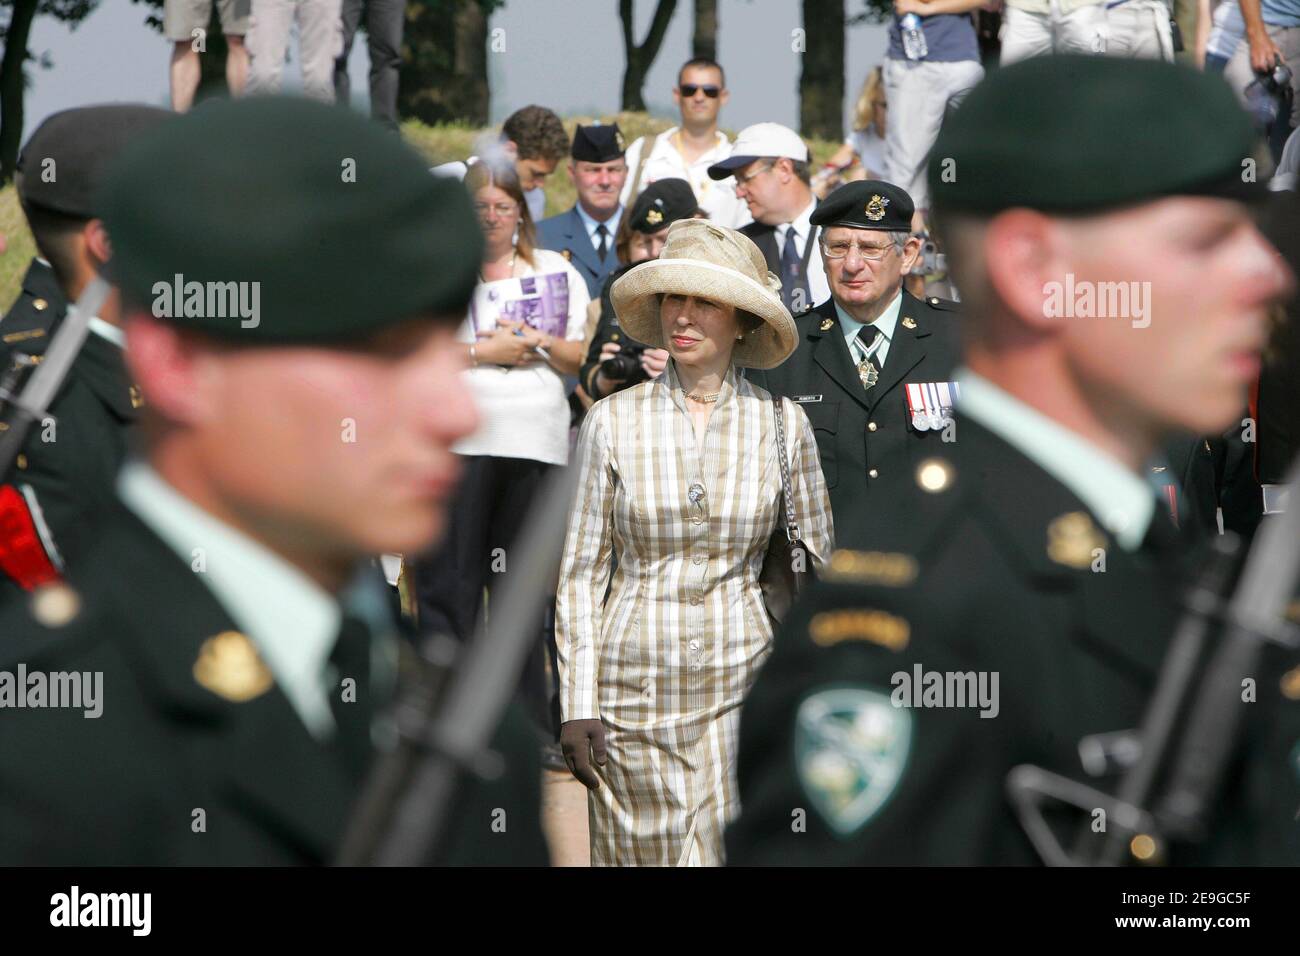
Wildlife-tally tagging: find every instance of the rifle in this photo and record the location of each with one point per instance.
(447, 716)
(1175, 768)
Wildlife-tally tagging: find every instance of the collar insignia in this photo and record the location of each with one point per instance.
(1072, 538)
(909, 322)
(229, 666)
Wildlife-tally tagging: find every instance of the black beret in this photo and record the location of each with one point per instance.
(335, 222)
(866, 204)
(1083, 133)
(661, 203)
(64, 160)
(598, 144)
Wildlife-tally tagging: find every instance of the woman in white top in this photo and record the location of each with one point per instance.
(514, 372)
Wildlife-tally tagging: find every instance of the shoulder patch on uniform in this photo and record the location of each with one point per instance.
(889, 568)
(851, 747)
(829, 628)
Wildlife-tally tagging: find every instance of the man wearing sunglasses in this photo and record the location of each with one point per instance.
(873, 362)
(688, 150)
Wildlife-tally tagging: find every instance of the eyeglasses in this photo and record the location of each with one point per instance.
(690, 89)
(840, 248)
(502, 209)
(744, 180)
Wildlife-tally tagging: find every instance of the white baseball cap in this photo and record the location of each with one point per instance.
(761, 141)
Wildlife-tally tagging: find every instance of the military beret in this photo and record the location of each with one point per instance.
(327, 225)
(600, 143)
(661, 203)
(1083, 133)
(64, 160)
(866, 204)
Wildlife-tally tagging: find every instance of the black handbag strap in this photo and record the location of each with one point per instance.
(791, 526)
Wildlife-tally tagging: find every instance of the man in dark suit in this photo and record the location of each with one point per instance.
(65, 470)
(585, 234)
(1010, 601)
(770, 164)
(873, 364)
(215, 664)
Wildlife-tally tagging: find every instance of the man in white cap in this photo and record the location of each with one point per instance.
(770, 164)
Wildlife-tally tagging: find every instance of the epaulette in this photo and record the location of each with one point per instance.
(943, 305)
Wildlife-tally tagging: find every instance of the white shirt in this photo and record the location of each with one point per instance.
(818, 287)
(1118, 497)
(591, 225)
(869, 146)
(290, 619)
(718, 199)
(525, 411)
(886, 322)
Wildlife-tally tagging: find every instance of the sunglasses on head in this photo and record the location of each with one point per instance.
(690, 89)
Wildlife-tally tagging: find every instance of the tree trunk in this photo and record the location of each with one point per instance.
(444, 75)
(704, 44)
(212, 62)
(11, 85)
(471, 63)
(641, 58)
(821, 80)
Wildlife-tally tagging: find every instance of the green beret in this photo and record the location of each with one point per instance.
(326, 226)
(75, 147)
(866, 204)
(1075, 134)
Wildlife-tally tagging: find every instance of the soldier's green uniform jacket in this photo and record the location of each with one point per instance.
(991, 571)
(32, 318)
(193, 724)
(63, 478)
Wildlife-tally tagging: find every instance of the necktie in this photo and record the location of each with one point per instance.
(351, 661)
(792, 276)
(602, 246)
(869, 367)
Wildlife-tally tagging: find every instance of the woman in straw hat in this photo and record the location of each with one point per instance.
(680, 483)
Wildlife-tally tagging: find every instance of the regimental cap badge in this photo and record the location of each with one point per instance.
(1072, 540)
(876, 207)
(229, 666)
(619, 140)
(654, 217)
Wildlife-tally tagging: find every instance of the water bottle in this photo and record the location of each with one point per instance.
(913, 37)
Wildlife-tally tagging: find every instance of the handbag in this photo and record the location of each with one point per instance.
(785, 571)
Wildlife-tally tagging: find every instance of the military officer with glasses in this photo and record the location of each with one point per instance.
(873, 366)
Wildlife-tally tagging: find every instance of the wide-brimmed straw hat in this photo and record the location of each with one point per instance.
(715, 263)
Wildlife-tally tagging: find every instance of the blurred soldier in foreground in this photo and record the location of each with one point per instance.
(209, 676)
(64, 474)
(1017, 611)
